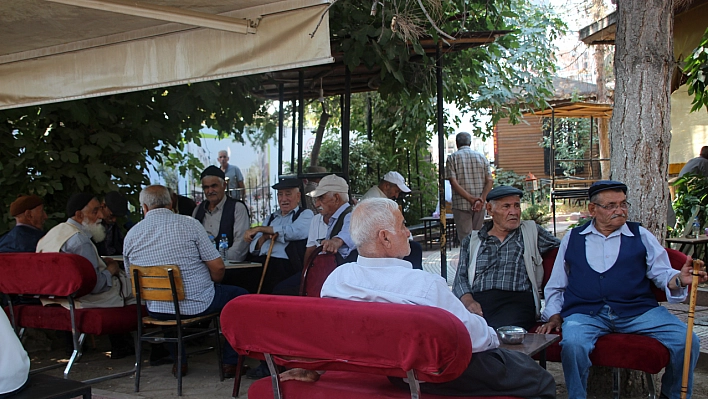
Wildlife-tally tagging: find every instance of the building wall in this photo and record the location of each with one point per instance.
(517, 146)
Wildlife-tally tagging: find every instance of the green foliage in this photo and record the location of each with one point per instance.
(572, 141)
(101, 144)
(508, 178)
(537, 213)
(580, 222)
(696, 69)
(691, 200)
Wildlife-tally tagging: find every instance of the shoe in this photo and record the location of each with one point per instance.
(121, 352)
(230, 370)
(261, 371)
(159, 355)
(174, 370)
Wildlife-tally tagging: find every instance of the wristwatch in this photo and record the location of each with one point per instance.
(678, 282)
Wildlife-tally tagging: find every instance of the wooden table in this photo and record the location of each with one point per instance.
(533, 344)
(241, 265)
(693, 243)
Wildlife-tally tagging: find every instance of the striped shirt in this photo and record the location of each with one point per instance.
(166, 238)
(470, 168)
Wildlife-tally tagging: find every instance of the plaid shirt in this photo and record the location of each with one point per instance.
(166, 238)
(500, 265)
(470, 169)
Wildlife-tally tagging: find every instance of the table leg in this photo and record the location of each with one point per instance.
(542, 359)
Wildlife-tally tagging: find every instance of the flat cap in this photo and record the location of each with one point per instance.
(25, 203)
(286, 183)
(213, 171)
(602, 185)
(77, 202)
(503, 191)
(116, 203)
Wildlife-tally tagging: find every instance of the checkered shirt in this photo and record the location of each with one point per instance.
(500, 265)
(470, 168)
(166, 238)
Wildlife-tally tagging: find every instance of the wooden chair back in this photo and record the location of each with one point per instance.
(154, 282)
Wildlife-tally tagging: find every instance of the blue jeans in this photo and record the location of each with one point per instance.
(222, 295)
(581, 331)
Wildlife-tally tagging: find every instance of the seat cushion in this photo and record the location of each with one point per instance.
(91, 321)
(342, 385)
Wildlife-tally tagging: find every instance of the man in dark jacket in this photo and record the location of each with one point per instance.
(28, 211)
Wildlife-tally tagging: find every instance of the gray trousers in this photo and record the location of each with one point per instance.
(496, 372)
(466, 221)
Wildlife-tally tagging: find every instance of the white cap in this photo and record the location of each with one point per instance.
(397, 179)
(329, 183)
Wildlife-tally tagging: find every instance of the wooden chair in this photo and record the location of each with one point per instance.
(164, 283)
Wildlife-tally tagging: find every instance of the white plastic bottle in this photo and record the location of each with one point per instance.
(696, 228)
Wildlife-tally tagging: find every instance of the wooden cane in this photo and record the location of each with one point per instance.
(689, 330)
(265, 265)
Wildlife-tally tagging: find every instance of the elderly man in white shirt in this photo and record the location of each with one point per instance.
(380, 275)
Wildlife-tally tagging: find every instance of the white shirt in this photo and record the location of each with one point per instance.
(14, 362)
(374, 192)
(601, 253)
(391, 280)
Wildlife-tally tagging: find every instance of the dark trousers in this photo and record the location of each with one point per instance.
(416, 255)
(496, 372)
(507, 308)
(222, 295)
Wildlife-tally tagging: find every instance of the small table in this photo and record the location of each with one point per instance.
(429, 222)
(533, 344)
(241, 265)
(694, 243)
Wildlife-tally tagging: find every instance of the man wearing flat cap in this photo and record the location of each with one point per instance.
(28, 211)
(113, 206)
(601, 283)
(291, 223)
(500, 268)
(220, 214)
(332, 201)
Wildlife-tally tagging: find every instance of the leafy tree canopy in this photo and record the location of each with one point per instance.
(696, 69)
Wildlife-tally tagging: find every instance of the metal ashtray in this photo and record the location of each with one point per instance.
(511, 334)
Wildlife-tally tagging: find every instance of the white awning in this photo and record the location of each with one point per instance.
(53, 52)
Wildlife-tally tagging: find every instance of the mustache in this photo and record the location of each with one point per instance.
(622, 215)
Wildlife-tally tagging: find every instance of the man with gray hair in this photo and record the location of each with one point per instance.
(166, 238)
(232, 173)
(381, 275)
(332, 201)
(470, 178)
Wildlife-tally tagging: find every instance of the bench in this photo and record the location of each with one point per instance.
(60, 275)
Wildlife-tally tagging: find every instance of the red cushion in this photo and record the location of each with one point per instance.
(89, 321)
(341, 385)
(315, 273)
(331, 334)
(58, 274)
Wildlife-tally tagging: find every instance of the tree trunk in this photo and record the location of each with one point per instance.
(640, 125)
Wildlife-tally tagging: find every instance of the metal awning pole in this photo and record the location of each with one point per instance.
(301, 121)
(553, 166)
(281, 124)
(346, 117)
(292, 147)
(441, 161)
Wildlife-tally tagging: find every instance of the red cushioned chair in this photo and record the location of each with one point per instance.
(63, 276)
(623, 351)
(358, 343)
(315, 271)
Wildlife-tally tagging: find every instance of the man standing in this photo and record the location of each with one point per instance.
(166, 238)
(112, 285)
(471, 180)
(28, 211)
(380, 275)
(600, 284)
(698, 165)
(114, 205)
(220, 214)
(291, 222)
(233, 173)
(500, 269)
(332, 200)
(391, 186)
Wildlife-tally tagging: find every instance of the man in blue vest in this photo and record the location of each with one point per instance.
(600, 284)
(220, 214)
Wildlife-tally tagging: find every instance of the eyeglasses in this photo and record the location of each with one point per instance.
(613, 207)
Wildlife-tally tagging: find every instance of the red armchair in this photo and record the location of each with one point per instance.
(63, 276)
(358, 343)
(623, 351)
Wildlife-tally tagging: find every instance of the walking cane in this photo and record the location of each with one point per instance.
(265, 265)
(689, 330)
